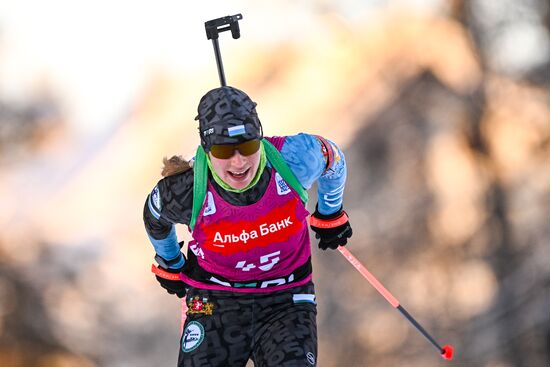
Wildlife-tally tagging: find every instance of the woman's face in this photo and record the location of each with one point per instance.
(238, 170)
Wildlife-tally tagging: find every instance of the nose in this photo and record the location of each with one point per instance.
(237, 159)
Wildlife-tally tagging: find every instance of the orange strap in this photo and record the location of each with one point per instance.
(328, 223)
(164, 274)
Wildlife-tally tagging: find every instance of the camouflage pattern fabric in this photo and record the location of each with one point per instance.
(227, 115)
(227, 329)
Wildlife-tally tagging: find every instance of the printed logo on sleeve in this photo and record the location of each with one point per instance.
(153, 202)
(155, 196)
(310, 358)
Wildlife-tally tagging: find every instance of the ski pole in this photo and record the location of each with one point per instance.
(446, 351)
(213, 28)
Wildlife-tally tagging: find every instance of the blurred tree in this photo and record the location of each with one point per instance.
(24, 126)
(27, 332)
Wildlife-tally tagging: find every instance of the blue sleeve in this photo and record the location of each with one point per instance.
(161, 232)
(304, 155)
(168, 248)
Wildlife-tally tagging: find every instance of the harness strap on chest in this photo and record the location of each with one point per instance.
(278, 162)
(200, 180)
(200, 177)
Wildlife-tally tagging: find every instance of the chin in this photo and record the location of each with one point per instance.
(240, 185)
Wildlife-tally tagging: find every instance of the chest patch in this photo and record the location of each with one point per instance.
(282, 186)
(210, 205)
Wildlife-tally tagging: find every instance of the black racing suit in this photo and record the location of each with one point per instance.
(225, 328)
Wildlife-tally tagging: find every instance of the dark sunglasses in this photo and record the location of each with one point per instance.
(226, 151)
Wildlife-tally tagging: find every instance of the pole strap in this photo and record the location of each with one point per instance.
(329, 223)
(164, 274)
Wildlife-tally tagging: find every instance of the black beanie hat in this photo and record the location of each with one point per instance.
(227, 115)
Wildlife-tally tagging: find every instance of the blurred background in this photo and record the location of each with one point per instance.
(442, 108)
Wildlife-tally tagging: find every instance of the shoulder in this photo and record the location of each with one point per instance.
(172, 197)
(304, 156)
(301, 143)
(177, 183)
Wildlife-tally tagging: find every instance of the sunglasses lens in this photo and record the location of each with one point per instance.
(226, 151)
(249, 147)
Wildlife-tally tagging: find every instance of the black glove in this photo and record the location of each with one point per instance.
(176, 287)
(333, 230)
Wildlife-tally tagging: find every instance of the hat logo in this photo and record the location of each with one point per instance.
(236, 130)
(208, 132)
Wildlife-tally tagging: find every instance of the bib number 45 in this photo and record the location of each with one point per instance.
(266, 262)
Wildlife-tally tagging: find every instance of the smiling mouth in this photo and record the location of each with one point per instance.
(238, 175)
